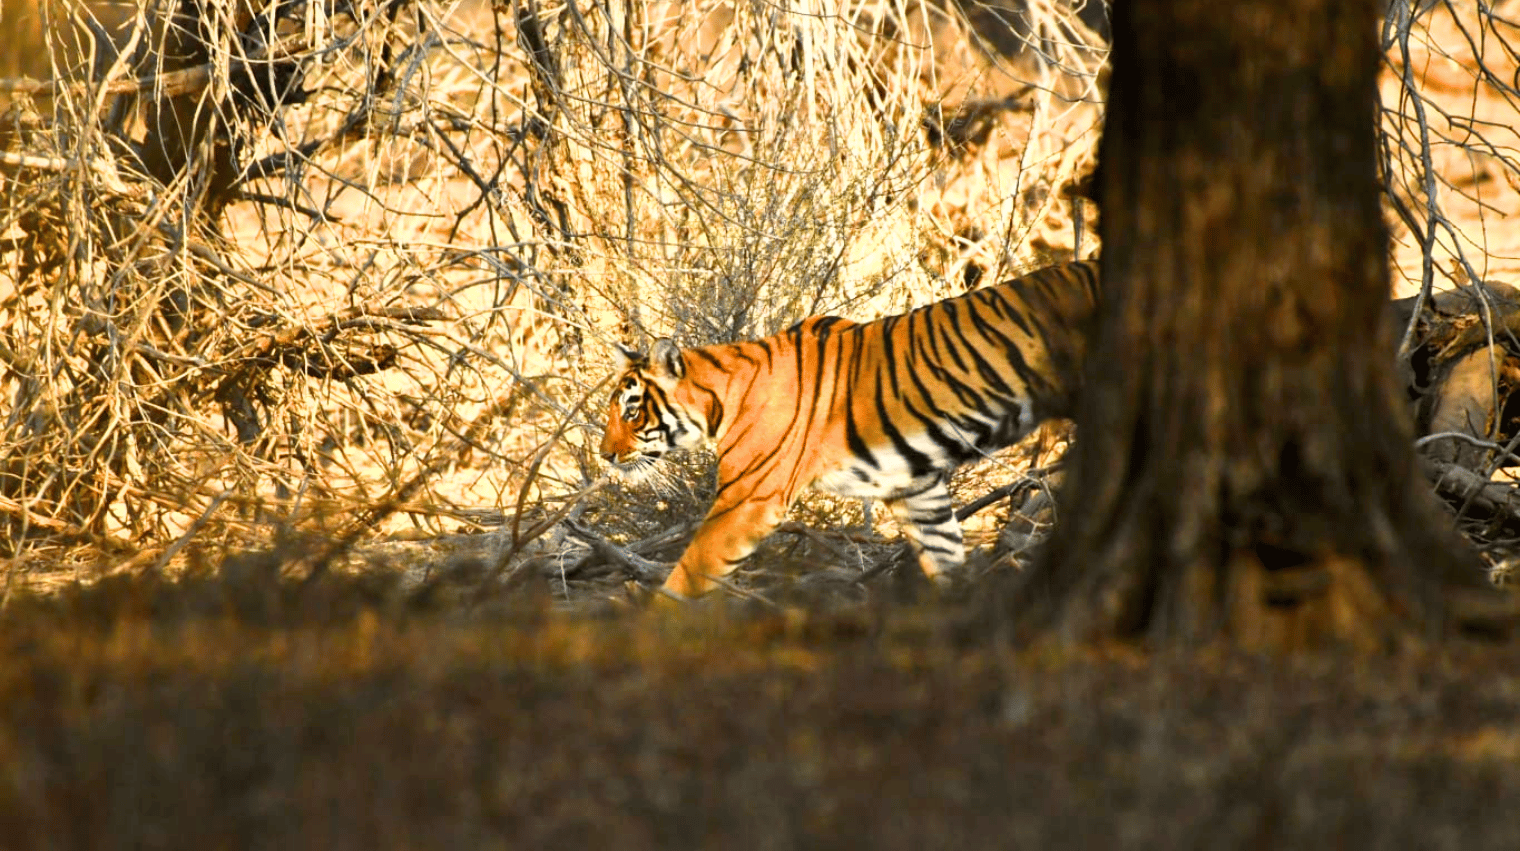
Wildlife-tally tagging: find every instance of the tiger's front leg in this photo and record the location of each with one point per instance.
(729, 534)
(928, 521)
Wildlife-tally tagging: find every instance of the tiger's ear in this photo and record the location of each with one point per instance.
(624, 358)
(665, 359)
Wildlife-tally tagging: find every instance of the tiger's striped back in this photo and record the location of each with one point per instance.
(884, 409)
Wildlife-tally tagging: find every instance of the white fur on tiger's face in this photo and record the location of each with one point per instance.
(882, 410)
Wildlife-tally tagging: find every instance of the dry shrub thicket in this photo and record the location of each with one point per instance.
(356, 266)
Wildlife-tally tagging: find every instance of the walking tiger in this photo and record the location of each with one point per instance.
(882, 410)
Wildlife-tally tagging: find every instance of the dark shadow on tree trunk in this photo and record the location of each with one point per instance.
(1244, 466)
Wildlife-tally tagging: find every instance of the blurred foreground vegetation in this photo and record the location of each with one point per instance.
(235, 709)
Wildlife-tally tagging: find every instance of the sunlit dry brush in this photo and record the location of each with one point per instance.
(268, 264)
(1448, 110)
(163, 375)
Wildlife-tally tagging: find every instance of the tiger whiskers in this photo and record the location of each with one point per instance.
(649, 473)
(663, 481)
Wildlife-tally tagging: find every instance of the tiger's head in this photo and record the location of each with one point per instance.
(646, 417)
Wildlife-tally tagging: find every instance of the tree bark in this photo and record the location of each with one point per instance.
(1244, 464)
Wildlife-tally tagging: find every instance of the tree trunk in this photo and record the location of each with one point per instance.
(1244, 465)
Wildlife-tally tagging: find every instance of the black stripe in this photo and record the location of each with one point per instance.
(969, 394)
(918, 463)
(953, 445)
(931, 418)
(705, 353)
(927, 547)
(950, 331)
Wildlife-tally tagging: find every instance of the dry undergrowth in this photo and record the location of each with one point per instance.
(347, 713)
(354, 268)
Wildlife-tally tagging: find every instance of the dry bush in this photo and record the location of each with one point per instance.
(737, 168)
(357, 265)
(277, 263)
(1449, 131)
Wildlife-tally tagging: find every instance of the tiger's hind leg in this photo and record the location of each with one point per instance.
(928, 520)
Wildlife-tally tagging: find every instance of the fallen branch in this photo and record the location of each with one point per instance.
(1502, 452)
(170, 83)
(828, 539)
(268, 345)
(1458, 482)
(103, 168)
(637, 567)
(1029, 480)
(665, 538)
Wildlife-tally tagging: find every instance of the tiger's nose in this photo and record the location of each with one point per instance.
(609, 457)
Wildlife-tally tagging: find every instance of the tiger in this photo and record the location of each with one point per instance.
(882, 410)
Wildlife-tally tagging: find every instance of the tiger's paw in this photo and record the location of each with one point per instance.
(653, 597)
(952, 586)
(635, 595)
